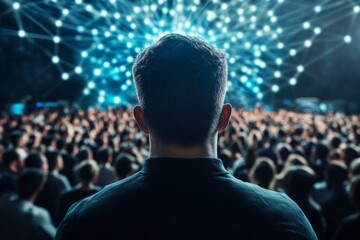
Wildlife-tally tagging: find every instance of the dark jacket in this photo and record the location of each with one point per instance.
(185, 199)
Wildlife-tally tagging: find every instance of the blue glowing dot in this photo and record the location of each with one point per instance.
(292, 81)
(275, 88)
(308, 43)
(306, 25)
(65, 76)
(78, 1)
(129, 45)
(56, 39)
(130, 59)
(356, 9)
(91, 85)
(78, 69)
(22, 33)
(277, 74)
(101, 99)
(94, 31)
(55, 59)
(317, 30)
(317, 9)
(260, 95)
(259, 80)
(117, 100)
(84, 54)
(243, 79)
(117, 15)
(102, 93)
(122, 68)
(16, 5)
(128, 82)
(300, 68)
(279, 61)
(58, 23)
(293, 52)
(347, 39)
(128, 74)
(65, 12)
(97, 71)
(86, 91)
(123, 87)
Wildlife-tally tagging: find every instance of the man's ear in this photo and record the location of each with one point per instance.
(224, 117)
(139, 117)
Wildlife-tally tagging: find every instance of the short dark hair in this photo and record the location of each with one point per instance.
(103, 155)
(123, 165)
(10, 156)
(29, 182)
(52, 158)
(87, 170)
(180, 83)
(34, 160)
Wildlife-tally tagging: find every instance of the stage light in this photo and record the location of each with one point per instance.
(21, 33)
(260, 95)
(277, 74)
(293, 52)
(280, 45)
(279, 61)
(292, 81)
(16, 5)
(101, 99)
(130, 59)
(117, 100)
(65, 11)
(128, 82)
(86, 91)
(243, 79)
(117, 15)
(58, 23)
(308, 43)
(91, 85)
(123, 87)
(347, 39)
(306, 25)
(317, 30)
(300, 68)
(65, 76)
(317, 9)
(356, 9)
(102, 93)
(55, 59)
(275, 88)
(78, 70)
(84, 54)
(97, 72)
(259, 80)
(78, 1)
(56, 39)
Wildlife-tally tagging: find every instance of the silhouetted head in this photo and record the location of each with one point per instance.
(180, 83)
(38, 161)
(104, 155)
(124, 165)
(88, 171)
(30, 182)
(299, 181)
(355, 191)
(336, 173)
(12, 160)
(263, 173)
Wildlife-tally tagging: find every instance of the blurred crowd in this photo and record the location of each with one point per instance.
(53, 158)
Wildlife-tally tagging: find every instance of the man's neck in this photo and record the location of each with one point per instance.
(160, 149)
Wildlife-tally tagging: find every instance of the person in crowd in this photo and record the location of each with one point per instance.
(20, 218)
(183, 191)
(299, 182)
(18, 141)
(349, 229)
(55, 183)
(88, 172)
(68, 152)
(38, 161)
(337, 204)
(124, 165)
(107, 173)
(13, 164)
(263, 173)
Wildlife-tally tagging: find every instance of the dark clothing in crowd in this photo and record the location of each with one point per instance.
(68, 198)
(336, 207)
(8, 182)
(69, 162)
(22, 220)
(185, 199)
(48, 197)
(349, 229)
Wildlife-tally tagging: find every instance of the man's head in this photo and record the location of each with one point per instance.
(12, 160)
(88, 171)
(37, 161)
(30, 183)
(180, 83)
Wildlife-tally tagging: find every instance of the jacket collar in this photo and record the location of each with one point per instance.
(199, 167)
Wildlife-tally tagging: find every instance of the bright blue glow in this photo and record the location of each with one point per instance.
(91, 85)
(117, 100)
(22, 33)
(65, 76)
(55, 59)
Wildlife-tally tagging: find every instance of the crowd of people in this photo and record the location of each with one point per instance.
(52, 158)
